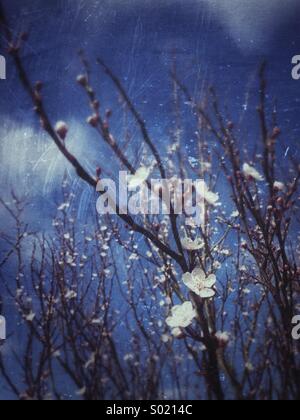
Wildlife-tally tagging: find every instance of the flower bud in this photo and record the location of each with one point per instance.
(96, 105)
(82, 80)
(108, 113)
(223, 338)
(62, 129)
(178, 333)
(279, 186)
(93, 120)
(278, 214)
(98, 172)
(37, 97)
(24, 36)
(276, 132)
(13, 49)
(43, 123)
(157, 227)
(38, 86)
(280, 201)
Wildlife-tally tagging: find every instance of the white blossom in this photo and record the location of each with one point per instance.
(141, 176)
(97, 321)
(181, 316)
(71, 295)
(128, 357)
(177, 332)
(206, 166)
(63, 206)
(192, 245)
(223, 337)
(81, 392)
(249, 367)
(209, 196)
(251, 172)
(199, 283)
(279, 185)
(165, 338)
(30, 317)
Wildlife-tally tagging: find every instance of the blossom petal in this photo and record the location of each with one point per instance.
(182, 316)
(176, 332)
(192, 245)
(252, 172)
(279, 185)
(191, 283)
(209, 196)
(171, 322)
(210, 281)
(207, 293)
(139, 177)
(199, 274)
(187, 279)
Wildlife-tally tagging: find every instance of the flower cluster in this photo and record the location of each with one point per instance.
(183, 315)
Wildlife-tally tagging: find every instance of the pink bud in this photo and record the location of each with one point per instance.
(24, 36)
(13, 49)
(43, 123)
(82, 80)
(39, 86)
(62, 129)
(223, 338)
(108, 113)
(276, 132)
(96, 105)
(98, 172)
(280, 201)
(93, 120)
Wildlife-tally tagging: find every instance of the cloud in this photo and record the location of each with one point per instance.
(31, 163)
(252, 23)
(32, 167)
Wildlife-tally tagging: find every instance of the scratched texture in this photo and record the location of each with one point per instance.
(215, 42)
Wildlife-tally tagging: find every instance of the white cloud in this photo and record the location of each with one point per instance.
(31, 163)
(252, 23)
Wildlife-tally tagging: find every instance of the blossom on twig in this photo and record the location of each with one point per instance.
(141, 176)
(199, 283)
(279, 186)
(210, 197)
(251, 172)
(181, 316)
(61, 129)
(192, 245)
